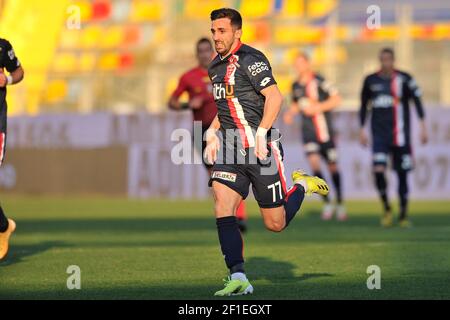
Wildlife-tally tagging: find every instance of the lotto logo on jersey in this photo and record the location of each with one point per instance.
(11, 54)
(223, 91)
(265, 81)
(258, 67)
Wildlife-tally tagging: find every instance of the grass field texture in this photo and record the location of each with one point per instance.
(169, 250)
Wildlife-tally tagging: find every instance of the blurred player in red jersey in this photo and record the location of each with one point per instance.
(201, 101)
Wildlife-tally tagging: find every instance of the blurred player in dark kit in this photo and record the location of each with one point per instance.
(8, 61)
(314, 98)
(388, 93)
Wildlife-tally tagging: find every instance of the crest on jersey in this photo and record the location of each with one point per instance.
(231, 69)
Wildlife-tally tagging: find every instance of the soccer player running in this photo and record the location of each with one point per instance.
(8, 61)
(314, 98)
(388, 92)
(248, 99)
(201, 101)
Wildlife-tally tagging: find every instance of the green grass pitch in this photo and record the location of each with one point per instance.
(169, 250)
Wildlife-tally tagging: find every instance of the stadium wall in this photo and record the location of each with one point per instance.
(130, 155)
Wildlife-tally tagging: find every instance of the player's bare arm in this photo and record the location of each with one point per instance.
(272, 107)
(417, 98)
(423, 131)
(290, 113)
(174, 104)
(212, 140)
(194, 103)
(331, 103)
(363, 138)
(14, 77)
(315, 107)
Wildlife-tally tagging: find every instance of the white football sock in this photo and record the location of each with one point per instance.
(303, 184)
(238, 276)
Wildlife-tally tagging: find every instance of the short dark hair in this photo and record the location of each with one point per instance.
(203, 40)
(303, 54)
(232, 14)
(387, 50)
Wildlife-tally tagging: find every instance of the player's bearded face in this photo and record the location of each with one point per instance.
(224, 35)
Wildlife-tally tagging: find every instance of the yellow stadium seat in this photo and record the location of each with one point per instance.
(201, 9)
(91, 36)
(418, 32)
(343, 33)
(288, 35)
(69, 38)
(321, 55)
(252, 9)
(85, 9)
(292, 9)
(319, 8)
(112, 37)
(56, 90)
(284, 82)
(256, 32)
(159, 35)
(441, 31)
(109, 61)
(386, 33)
(87, 62)
(249, 32)
(146, 10)
(65, 62)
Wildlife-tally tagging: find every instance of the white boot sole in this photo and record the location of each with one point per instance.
(249, 290)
